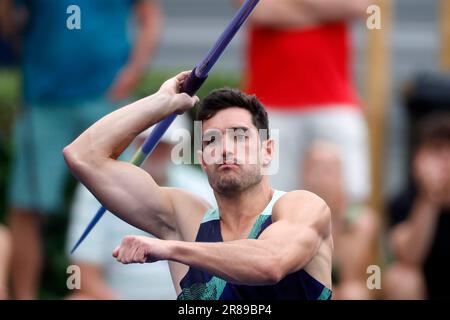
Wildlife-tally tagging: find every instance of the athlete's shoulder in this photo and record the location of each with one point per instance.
(301, 198)
(299, 203)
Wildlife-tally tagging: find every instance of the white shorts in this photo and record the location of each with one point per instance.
(344, 126)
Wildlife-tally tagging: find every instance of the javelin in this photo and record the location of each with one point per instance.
(190, 86)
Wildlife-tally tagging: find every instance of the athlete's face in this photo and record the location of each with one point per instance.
(233, 154)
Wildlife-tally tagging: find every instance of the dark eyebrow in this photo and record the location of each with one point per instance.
(245, 129)
(211, 132)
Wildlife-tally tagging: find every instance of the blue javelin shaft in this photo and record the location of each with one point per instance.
(190, 86)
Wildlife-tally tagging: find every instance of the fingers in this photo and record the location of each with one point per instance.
(183, 76)
(131, 250)
(116, 252)
(196, 99)
(180, 79)
(173, 85)
(185, 102)
(179, 102)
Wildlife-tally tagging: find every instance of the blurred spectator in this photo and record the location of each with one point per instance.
(71, 77)
(355, 228)
(420, 220)
(5, 259)
(299, 65)
(104, 278)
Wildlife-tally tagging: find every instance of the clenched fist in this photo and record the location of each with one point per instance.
(139, 249)
(181, 102)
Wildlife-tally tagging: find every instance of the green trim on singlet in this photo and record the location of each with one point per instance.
(257, 226)
(325, 295)
(213, 213)
(210, 215)
(266, 214)
(211, 290)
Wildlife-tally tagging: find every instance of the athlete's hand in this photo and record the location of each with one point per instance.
(139, 249)
(179, 102)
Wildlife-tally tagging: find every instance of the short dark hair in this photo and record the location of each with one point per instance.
(435, 129)
(224, 98)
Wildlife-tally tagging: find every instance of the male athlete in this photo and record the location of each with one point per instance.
(259, 243)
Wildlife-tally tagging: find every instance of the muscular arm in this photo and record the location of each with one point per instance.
(149, 21)
(300, 222)
(126, 190)
(302, 13)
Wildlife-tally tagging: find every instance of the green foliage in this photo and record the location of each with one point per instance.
(9, 98)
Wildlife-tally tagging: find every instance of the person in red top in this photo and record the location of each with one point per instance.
(299, 67)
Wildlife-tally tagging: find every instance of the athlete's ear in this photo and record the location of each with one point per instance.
(267, 151)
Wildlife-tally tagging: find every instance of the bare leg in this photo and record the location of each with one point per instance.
(404, 282)
(27, 258)
(5, 260)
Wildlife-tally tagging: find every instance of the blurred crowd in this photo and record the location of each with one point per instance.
(298, 62)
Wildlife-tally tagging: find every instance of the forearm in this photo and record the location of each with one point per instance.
(122, 187)
(284, 247)
(279, 14)
(334, 10)
(149, 20)
(249, 262)
(412, 238)
(303, 13)
(109, 137)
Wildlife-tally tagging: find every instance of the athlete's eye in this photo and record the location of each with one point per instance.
(210, 141)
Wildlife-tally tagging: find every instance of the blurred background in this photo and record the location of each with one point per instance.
(388, 88)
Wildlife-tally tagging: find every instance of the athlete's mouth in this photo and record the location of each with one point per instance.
(228, 164)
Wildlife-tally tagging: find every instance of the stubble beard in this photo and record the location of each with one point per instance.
(228, 184)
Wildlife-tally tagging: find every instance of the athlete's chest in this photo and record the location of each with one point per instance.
(232, 234)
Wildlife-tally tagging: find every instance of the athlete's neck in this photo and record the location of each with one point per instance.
(237, 211)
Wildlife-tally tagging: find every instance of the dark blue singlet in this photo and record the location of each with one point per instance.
(200, 285)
